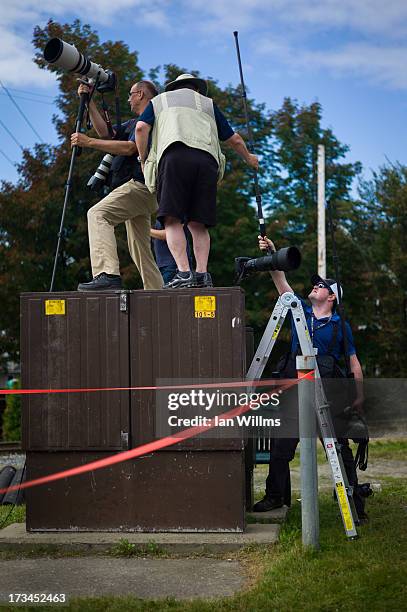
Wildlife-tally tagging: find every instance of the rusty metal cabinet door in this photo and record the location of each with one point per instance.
(75, 340)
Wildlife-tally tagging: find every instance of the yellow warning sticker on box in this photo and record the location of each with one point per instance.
(344, 504)
(54, 307)
(205, 306)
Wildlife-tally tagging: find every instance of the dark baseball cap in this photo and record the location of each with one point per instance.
(330, 284)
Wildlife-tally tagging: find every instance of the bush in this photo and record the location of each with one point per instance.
(12, 417)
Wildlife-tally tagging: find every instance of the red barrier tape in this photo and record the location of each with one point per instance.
(150, 447)
(244, 383)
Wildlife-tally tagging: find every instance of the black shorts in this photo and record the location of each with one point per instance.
(186, 185)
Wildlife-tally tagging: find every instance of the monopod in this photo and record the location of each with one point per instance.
(84, 99)
(251, 145)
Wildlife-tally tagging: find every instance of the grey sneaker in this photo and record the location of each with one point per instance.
(181, 280)
(203, 279)
(102, 282)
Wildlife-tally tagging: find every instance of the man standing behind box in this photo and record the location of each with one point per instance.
(129, 201)
(184, 165)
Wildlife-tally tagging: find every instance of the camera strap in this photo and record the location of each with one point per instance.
(106, 116)
(118, 113)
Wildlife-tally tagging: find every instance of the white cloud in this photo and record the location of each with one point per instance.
(378, 64)
(346, 37)
(157, 18)
(16, 24)
(364, 16)
(16, 65)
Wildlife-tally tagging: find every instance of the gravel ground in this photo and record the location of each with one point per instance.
(14, 459)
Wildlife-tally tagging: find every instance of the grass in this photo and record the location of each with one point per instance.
(363, 575)
(391, 450)
(9, 515)
(366, 574)
(395, 450)
(124, 548)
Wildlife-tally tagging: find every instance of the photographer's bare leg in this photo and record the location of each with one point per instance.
(202, 244)
(177, 243)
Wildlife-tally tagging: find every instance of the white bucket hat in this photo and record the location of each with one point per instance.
(201, 84)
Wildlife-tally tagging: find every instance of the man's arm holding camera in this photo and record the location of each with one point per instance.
(104, 143)
(98, 121)
(278, 277)
(116, 147)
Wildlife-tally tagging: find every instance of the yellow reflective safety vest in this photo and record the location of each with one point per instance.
(183, 116)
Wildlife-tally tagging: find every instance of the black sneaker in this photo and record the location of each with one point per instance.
(181, 280)
(102, 282)
(203, 279)
(268, 503)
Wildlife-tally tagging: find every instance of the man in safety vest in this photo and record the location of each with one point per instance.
(184, 165)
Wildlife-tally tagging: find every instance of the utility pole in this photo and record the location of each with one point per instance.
(321, 212)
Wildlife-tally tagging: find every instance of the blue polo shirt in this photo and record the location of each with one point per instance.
(224, 129)
(321, 331)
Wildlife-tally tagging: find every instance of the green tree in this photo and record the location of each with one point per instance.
(30, 211)
(28, 240)
(291, 191)
(11, 424)
(286, 141)
(380, 229)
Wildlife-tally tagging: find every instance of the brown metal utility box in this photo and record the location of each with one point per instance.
(124, 339)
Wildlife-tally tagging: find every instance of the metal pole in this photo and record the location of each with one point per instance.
(262, 225)
(308, 453)
(76, 151)
(321, 212)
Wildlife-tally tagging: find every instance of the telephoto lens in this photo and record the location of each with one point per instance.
(68, 58)
(97, 181)
(286, 259)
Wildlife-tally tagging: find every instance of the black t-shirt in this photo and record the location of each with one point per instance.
(126, 167)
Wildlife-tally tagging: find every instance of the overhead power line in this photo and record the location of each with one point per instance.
(8, 159)
(29, 99)
(33, 93)
(21, 112)
(11, 135)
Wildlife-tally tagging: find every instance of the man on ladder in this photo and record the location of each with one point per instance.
(326, 336)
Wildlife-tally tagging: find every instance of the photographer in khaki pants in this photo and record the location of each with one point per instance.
(129, 201)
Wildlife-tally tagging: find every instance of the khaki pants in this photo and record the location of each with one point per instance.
(134, 204)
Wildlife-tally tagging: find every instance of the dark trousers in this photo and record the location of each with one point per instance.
(278, 483)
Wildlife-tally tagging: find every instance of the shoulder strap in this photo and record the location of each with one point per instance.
(334, 338)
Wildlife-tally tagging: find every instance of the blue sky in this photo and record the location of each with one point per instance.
(350, 55)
